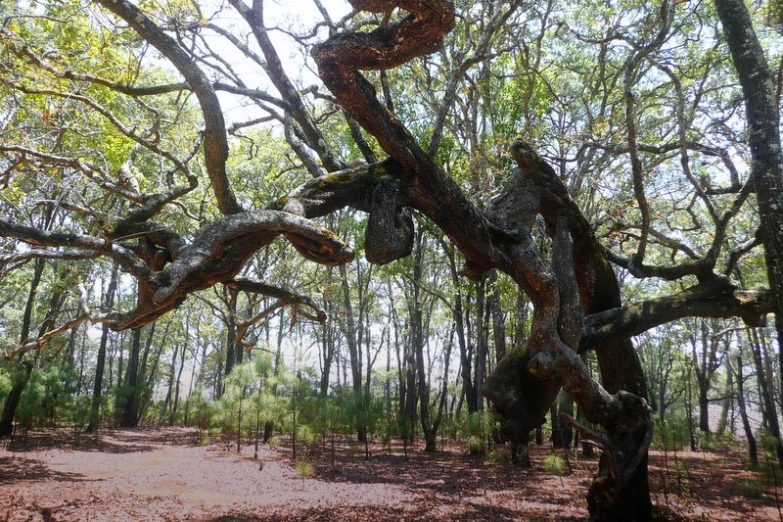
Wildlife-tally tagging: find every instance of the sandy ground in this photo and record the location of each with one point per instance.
(164, 474)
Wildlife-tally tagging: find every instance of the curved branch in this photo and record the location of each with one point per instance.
(88, 169)
(716, 298)
(12, 261)
(114, 120)
(38, 343)
(285, 297)
(80, 242)
(130, 90)
(215, 141)
(248, 232)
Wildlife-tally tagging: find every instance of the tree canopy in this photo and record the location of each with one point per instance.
(610, 160)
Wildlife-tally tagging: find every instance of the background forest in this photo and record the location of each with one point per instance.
(106, 139)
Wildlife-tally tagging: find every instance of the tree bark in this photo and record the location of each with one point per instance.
(354, 350)
(108, 302)
(762, 113)
(130, 413)
(14, 397)
(175, 402)
(465, 351)
(498, 318)
(767, 399)
(417, 340)
(751, 438)
(727, 409)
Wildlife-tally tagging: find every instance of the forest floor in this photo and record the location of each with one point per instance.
(170, 474)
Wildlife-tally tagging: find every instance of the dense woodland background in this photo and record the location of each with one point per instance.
(635, 105)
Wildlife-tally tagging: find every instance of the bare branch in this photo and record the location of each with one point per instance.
(215, 142)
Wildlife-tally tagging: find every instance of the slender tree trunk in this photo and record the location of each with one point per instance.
(482, 342)
(728, 401)
(170, 392)
(108, 302)
(562, 433)
(151, 375)
(177, 385)
(268, 425)
(417, 339)
(231, 332)
(401, 360)
(14, 397)
(82, 355)
(763, 117)
(387, 387)
(121, 361)
(131, 411)
(704, 407)
(327, 342)
(752, 449)
(769, 409)
(412, 392)
(694, 445)
(498, 319)
(353, 348)
(469, 391)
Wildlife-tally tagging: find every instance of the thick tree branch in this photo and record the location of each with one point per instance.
(715, 298)
(215, 142)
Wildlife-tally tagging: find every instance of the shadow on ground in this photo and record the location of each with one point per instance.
(13, 470)
(115, 441)
(417, 513)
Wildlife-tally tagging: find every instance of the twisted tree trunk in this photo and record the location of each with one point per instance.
(501, 239)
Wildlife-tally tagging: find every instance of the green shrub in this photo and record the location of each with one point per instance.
(497, 457)
(476, 445)
(555, 465)
(726, 442)
(274, 442)
(476, 430)
(304, 468)
(672, 435)
(306, 436)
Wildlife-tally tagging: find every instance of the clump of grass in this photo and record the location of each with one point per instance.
(304, 468)
(750, 488)
(475, 445)
(496, 457)
(555, 465)
(274, 442)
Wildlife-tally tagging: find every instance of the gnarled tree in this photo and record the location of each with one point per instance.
(137, 207)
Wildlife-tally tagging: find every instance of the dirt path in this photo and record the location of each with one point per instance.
(160, 475)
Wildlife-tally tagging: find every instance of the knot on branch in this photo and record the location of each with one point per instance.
(515, 207)
(389, 234)
(418, 34)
